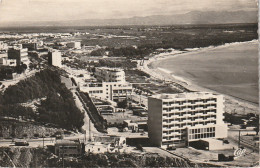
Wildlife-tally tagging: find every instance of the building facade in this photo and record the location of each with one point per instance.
(74, 44)
(4, 61)
(110, 74)
(30, 46)
(109, 90)
(174, 120)
(21, 55)
(54, 58)
(66, 148)
(3, 46)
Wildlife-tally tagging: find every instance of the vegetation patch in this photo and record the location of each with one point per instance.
(58, 108)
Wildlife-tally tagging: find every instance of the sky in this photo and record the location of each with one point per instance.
(57, 10)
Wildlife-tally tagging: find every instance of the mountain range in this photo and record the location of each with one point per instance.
(194, 17)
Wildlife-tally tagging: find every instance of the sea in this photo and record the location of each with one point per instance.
(231, 69)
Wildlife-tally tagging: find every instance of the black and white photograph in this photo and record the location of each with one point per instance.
(129, 83)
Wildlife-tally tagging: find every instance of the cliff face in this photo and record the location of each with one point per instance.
(10, 129)
(23, 157)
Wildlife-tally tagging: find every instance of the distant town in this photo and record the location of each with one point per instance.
(69, 103)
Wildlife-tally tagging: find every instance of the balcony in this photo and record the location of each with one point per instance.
(211, 118)
(167, 129)
(211, 101)
(166, 118)
(174, 139)
(186, 115)
(211, 113)
(199, 102)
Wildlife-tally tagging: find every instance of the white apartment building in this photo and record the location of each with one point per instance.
(74, 44)
(19, 54)
(54, 58)
(110, 74)
(177, 119)
(108, 90)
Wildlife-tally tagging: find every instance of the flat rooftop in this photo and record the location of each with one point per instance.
(184, 95)
(65, 142)
(110, 69)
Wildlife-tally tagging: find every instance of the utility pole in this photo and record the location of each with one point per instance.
(63, 156)
(239, 139)
(43, 140)
(89, 131)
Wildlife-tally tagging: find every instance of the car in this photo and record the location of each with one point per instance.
(21, 143)
(171, 148)
(225, 141)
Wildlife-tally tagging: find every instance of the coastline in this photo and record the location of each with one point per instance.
(232, 104)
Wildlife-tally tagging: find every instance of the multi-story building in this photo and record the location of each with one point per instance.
(109, 90)
(177, 119)
(21, 55)
(5, 61)
(74, 44)
(111, 85)
(30, 46)
(110, 74)
(54, 58)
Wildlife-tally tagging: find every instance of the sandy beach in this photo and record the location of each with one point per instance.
(157, 68)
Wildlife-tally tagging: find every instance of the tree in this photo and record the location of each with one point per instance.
(139, 147)
(122, 104)
(36, 135)
(25, 135)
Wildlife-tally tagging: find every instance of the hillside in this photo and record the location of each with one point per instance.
(55, 102)
(194, 17)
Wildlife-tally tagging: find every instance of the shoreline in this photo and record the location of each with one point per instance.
(232, 103)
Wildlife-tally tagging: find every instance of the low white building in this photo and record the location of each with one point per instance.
(104, 144)
(108, 90)
(3, 46)
(4, 61)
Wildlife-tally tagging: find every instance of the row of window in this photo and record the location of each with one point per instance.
(122, 91)
(96, 91)
(201, 130)
(173, 142)
(191, 101)
(190, 124)
(190, 118)
(190, 107)
(192, 115)
(68, 147)
(204, 135)
(191, 112)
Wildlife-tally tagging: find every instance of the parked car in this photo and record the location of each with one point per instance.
(21, 143)
(171, 148)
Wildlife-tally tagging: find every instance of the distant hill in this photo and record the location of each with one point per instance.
(194, 17)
